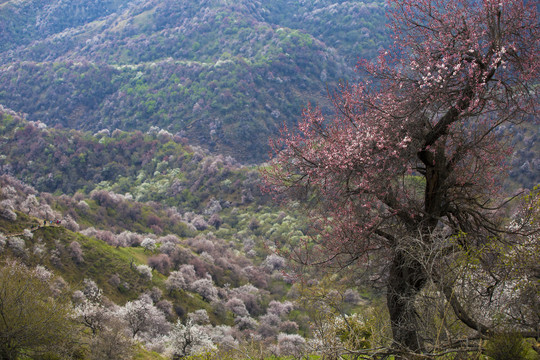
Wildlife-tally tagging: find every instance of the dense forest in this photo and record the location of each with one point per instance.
(226, 75)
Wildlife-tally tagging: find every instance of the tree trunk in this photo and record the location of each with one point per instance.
(405, 280)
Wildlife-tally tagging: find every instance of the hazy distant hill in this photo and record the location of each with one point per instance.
(225, 74)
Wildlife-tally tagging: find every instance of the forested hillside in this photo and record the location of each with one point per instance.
(225, 74)
(269, 179)
(142, 226)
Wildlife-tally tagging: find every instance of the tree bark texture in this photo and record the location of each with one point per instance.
(405, 280)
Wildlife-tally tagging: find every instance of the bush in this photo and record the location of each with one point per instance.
(148, 244)
(175, 281)
(145, 271)
(34, 318)
(506, 346)
(76, 252)
(17, 245)
(205, 288)
(160, 262)
(7, 210)
(291, 345)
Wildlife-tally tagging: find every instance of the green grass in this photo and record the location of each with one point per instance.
(101, 262)
(14, 227)
(142, 354)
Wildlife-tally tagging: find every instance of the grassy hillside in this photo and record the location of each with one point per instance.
(115, 253)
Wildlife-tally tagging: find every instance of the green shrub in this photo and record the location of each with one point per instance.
(506, 347)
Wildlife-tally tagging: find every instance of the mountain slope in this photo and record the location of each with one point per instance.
(224, 74)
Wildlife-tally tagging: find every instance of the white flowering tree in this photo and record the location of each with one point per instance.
(148, 244)
(189, 339)
(143, 319)
(175, 282)
(145, 271)
(291, 345)
(205, 288)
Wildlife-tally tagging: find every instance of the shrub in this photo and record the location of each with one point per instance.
(145, 271)
(215, 220)
(17, 245)
(237, 307)
(144, 319)
(165, 306)
(205, 288)
(112, 342)
(291, 345)
(155, 294)
(280, 308)
(160, 262)
(7, 210)
(70, 224)
(245, 323)
(76, 252)
(199, 223)
(274, 262)
(115, 280)
(175, 281)
(35, 321)
(188, 272)
(199, 317)
(148, 244)
(189, 339)
(28, 233)
(506, 346)
(91, 291)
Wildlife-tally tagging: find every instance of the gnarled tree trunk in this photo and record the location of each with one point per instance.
(405, 281)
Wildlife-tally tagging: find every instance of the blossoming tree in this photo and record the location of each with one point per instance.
(413, 153)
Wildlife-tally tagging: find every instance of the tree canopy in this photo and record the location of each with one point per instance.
(35, 319)
(409, 169)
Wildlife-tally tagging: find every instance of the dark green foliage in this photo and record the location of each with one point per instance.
(358, 28)
(225, 75)
(506, 346)
(150, 167)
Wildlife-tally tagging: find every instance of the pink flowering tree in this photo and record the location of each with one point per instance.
(414, 153)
